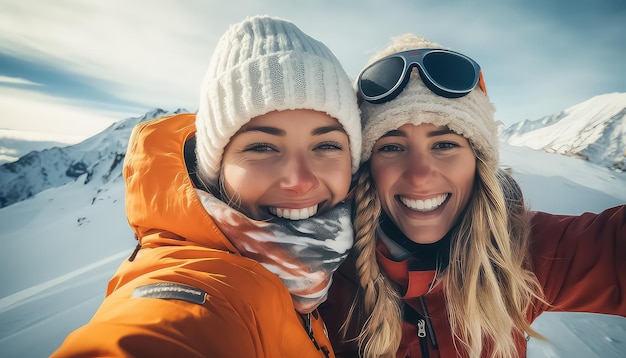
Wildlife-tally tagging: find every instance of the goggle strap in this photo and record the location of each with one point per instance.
(481, 82)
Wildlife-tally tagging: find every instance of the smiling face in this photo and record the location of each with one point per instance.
(291, 164)
(424, 176)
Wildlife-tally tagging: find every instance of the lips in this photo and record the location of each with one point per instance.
(426, 205)
(294, 214)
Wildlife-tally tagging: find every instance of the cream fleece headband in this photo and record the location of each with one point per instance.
(472, 116)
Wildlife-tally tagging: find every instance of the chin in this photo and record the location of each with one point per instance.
(424, 237)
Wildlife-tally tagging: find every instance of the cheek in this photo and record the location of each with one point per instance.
(465, 177)
(233, 175)
(377, 169)
(242, 184)
(337, 176)
(383, 176)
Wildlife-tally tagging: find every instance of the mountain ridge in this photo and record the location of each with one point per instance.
(97, 158)
(594, 130)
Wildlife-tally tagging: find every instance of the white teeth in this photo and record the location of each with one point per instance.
(294, 214)
(424, 205)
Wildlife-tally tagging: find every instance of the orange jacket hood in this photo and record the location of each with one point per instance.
(161, 202)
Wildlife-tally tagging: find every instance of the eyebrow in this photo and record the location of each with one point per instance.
(279, 132)
(327, 129)
(441, 132)
(264, 129)
(399, 133)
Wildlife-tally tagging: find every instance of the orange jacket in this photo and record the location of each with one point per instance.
(214, 302)
(579, 261)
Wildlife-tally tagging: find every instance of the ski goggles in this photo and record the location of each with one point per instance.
(446, 73)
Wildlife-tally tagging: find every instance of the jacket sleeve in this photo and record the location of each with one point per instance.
(581, 261)
(189, 301)
(129, 327)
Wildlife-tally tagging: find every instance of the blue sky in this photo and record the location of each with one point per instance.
(69, 68)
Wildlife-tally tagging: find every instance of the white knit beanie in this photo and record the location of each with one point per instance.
(266, 64)
(471, 116)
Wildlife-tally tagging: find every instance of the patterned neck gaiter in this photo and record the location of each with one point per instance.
(303, 253)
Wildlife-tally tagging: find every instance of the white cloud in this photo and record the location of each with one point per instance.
(141, 51)
(17, 81)
(52, 117)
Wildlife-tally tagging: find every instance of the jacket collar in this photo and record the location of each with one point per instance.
(412, 283)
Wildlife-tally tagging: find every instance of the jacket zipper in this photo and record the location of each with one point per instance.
(421, 335)
(308, 327)
(424, 327)
(429, 324)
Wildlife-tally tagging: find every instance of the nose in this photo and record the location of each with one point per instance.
(420, 168)
(298, 176)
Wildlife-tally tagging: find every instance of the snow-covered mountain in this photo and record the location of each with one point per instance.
(14, 144)
(98, 159)
(61, 245)
(594, 130)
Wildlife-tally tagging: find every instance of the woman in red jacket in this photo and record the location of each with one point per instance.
(237, 250)
(444, 265)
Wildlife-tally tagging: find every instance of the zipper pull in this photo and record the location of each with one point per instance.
(421, 328)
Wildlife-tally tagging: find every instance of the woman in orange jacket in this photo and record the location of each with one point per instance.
(240, 210)
(447, 261)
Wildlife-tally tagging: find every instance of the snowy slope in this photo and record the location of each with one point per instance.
(60, 247)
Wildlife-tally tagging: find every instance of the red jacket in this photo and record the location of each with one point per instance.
(213, 302)
(579, 261)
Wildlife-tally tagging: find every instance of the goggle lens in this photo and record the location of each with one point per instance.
(450, 71)
(381, 77)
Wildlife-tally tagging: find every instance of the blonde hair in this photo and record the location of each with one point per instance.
(379, 300)
(488, 284)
